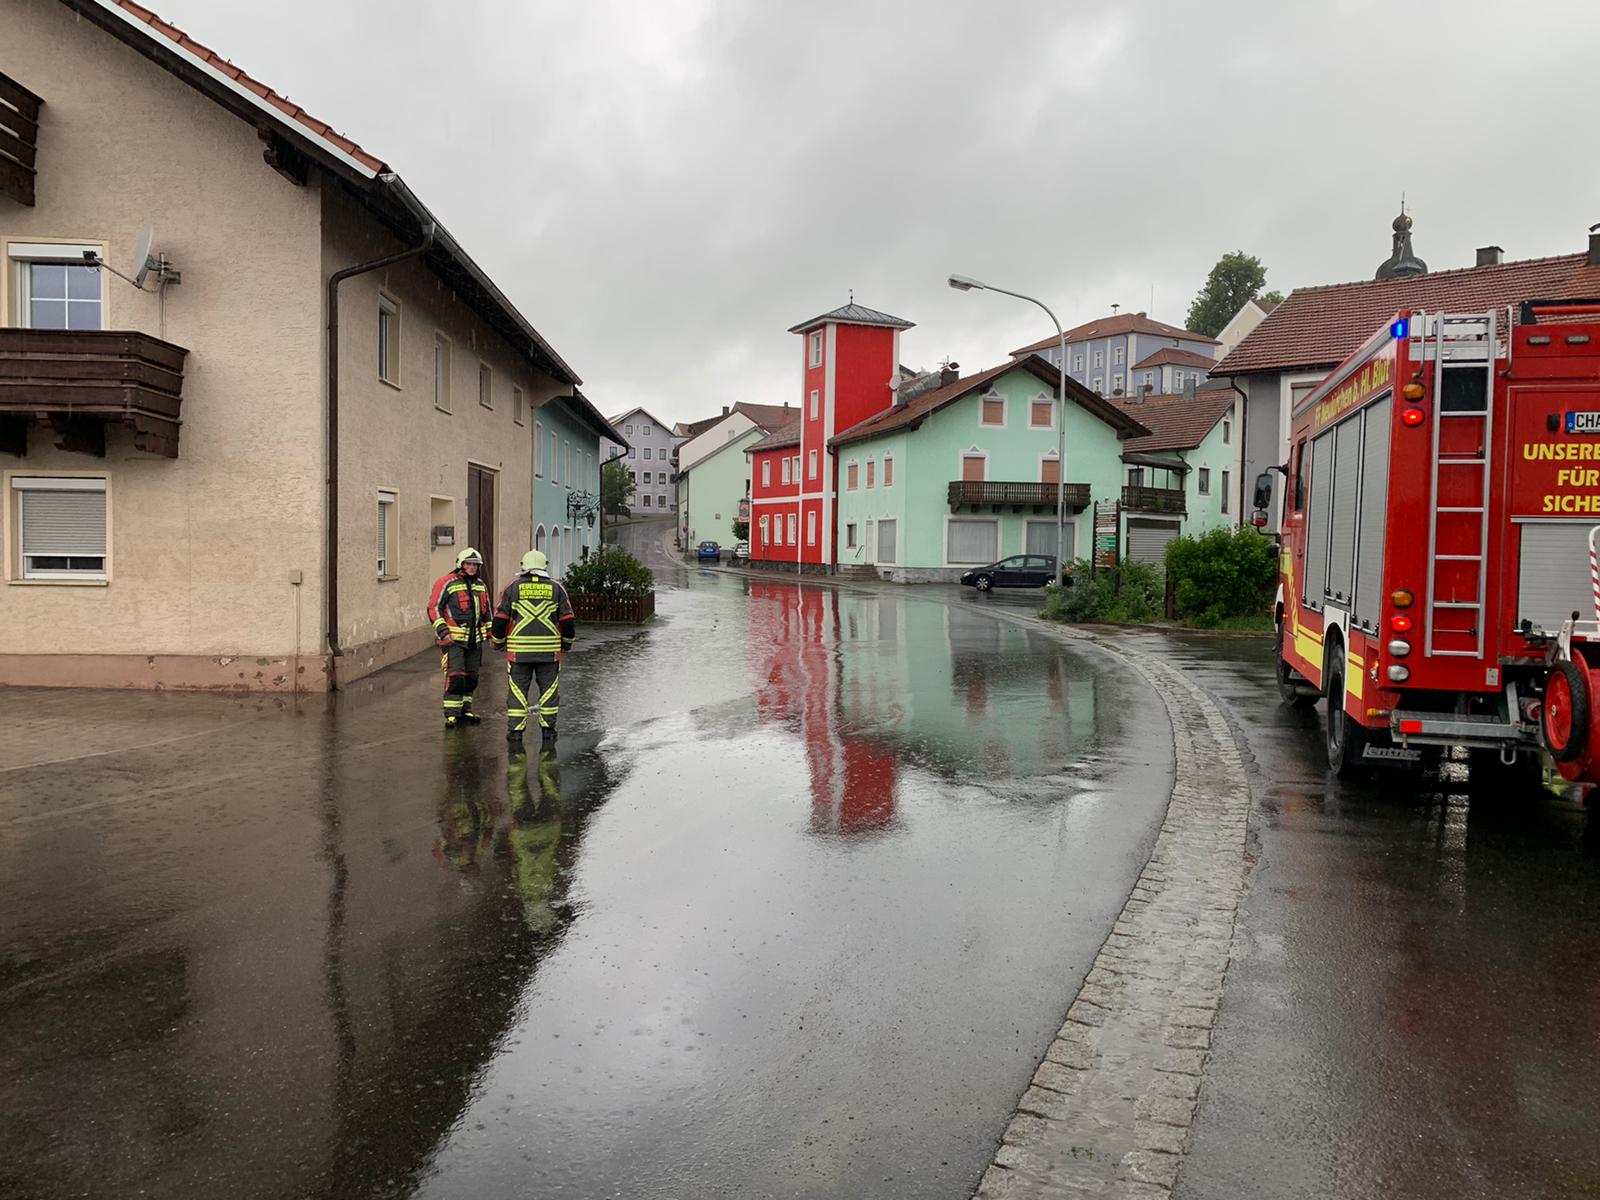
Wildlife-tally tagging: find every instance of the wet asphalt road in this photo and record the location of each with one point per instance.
(794, 913)
(1412, 1008)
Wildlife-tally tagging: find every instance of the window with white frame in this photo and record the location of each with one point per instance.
(1116, 382)
(1116, 356)
(765, 524)
(766, 472)
(992, 409)
(1227, 430)
(517, 406)
(661, 501)
(1149, 379)
(1077, 362)
(872, 471)
(568, 476)
(56, 289)
(644, 430)
(646, 499)
(627, 430)
(850, 535)
(1204, 480)
(812, 464)
(786, 470)
(647, 453)
(888, 469)
(485, 385)
(630, 452)
(1099, 358)
(441, 372)
(388, 340)
(1225, 491)
(387, 567)
(61, 527)
(795, 468)
(852, 476)
(1041, 412)
(816, 404)
(538, 448)
(555, 462)
(1099, 385)
(647, 478)
(811, 528)
(793, 525)
(971, 541)
(816, 348)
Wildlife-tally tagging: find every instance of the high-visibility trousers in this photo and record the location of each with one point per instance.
(532, 687)
(460, 665)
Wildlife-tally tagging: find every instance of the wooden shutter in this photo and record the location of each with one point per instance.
(1041, 413)
(972, 468)
(1050, 471)
(994, 411)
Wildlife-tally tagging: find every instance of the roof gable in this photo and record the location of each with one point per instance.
(1174, 357)
(1116, 326)
(852, 314)
(1177, 421)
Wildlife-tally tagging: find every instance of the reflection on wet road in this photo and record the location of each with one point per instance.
(795, 913)
(1410, 1012)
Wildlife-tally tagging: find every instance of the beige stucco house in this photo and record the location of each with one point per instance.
(189, 495)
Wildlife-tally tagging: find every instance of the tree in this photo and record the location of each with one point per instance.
(1236, 280)
(1273, 298)
(616, 487)
(741, 530)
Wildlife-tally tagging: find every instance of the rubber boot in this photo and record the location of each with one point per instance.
(514, 742)
(451, 722)
(547, 739)
(468, 717)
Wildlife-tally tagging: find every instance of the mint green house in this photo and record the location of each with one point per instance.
(567, 433)
(714, 472)
(965, 473)
(1183, 476)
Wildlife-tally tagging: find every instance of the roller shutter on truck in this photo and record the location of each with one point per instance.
(1368, 608)
(1342, 528)
(1321, 484)
(1553, 576)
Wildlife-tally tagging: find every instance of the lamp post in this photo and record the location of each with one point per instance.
(963, 283)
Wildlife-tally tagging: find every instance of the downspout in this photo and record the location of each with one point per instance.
(1244, 443)
(331, 562)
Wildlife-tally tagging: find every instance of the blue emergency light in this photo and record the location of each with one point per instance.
(1400, 329)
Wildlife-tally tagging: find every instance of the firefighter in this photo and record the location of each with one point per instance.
(459, 613)
(535, 625)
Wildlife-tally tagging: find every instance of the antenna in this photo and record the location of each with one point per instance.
(143, 263)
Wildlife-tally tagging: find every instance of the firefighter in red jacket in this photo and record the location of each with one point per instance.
(535, 624)
(459, 614)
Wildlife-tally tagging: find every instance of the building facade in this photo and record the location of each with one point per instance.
(223, 494)
(568, 433)
(714, 472)
(1178, 479)
(1109, 355)
(649, 452)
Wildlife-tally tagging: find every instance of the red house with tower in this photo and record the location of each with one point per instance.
(849, 359)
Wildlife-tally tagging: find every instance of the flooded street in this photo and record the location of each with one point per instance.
(795, 912)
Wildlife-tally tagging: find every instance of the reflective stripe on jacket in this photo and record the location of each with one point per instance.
(460, 607)
(534, 620)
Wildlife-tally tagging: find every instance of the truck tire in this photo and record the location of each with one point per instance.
(1287, 688)
(1346, 737)
(1565, 719)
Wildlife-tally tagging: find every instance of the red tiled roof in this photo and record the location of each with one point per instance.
(1322, 326)
(916, 409)
(787, 434)
(1114, 326)
(768, 416)
(1177, 358)
(1176, 422)
(283, 104)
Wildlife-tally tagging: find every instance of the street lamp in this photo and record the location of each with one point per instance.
(965, 283)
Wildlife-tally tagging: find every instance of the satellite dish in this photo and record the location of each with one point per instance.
(143, 262)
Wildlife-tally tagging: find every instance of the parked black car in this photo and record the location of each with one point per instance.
(1020, 570)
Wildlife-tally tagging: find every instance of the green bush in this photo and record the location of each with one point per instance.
(1125, 594)
(610, 572)
(1223, 574)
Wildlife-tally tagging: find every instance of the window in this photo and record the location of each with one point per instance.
(811, 528)
(386, 531)
(555, 463)
(1116, 356)
(516, 406)
(1041, 413)
(568, 476)
(661, 501)
(538, 447)
(969, 541)
(871, 471)
(646, 499)
(816, 349)
(627, 430)
(1050, 469)
(795, 461)
(388, 340)
(793, 523)
(644, 430)
(1205, 481)
(1149, 379)
(813, 464)
(850, 535)
(786, 470)
(1225, 493)
(1099, 358)
(1099, 385)
(485, 385)
(766, 472)
(974, 467)
(441, 372)
(993, 410)
(1077, 362)
(634, 475)
(630, 451)
(765, 530)
(1227, 432)
(851, 477)
(888, 470)
(647, 476)
(56, 289)
(62, 526)
(1116, 382)
(816, 404)
(1135, 476)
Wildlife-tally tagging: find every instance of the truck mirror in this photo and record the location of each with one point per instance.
(1263, 490)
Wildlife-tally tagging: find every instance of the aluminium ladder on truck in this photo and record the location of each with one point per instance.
(1464, 350)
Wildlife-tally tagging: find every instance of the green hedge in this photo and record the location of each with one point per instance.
(1125, 594)
(610, 572)
(1222, 574)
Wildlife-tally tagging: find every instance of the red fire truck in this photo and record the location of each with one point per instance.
(1436, 581)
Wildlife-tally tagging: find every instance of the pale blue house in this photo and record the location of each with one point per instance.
(567, 436)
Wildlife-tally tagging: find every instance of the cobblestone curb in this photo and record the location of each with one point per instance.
(1110, 1107)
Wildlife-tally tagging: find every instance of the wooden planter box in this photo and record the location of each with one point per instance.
(626, 610)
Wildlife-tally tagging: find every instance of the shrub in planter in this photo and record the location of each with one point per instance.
(1222, 574)
(609, 573)
(1124, 594)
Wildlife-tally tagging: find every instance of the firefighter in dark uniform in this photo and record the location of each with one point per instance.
(535, 625)
(459, 613)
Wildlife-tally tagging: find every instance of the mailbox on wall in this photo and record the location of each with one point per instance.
(444, 535)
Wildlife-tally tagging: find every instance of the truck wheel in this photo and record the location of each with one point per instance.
(1287, 688)
(1345, 736)
(1566, 711)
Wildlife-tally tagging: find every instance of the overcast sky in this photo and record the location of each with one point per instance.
(664, 187)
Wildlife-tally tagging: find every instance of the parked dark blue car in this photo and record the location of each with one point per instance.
(708, 550)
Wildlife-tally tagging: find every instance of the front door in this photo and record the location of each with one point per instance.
(480, 517)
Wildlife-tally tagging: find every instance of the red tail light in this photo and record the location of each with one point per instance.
(1413, 416)
(1400, 623)
(1410, 726)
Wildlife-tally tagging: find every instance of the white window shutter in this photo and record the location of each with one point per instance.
(60, 522)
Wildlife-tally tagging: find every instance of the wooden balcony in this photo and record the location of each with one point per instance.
(78, 382)
(19, 140)
(997, 494)
(1153, 499)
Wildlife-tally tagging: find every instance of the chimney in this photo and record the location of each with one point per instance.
(724, 410)
(1491, 256)
(949, 373)
(1188, 388)
(1594, 246)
